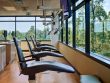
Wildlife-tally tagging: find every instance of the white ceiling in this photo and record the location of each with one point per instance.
(28, 7)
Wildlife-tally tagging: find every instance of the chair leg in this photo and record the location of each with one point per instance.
(32, 77)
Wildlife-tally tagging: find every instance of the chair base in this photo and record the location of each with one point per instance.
(32, 77)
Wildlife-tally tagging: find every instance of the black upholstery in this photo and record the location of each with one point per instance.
(42, 53)
(31, 67)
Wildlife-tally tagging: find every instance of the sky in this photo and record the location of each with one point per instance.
(21, 26)
(107, 5)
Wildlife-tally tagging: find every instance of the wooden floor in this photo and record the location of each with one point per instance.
(11, 74)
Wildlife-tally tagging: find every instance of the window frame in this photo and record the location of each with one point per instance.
(97, 57)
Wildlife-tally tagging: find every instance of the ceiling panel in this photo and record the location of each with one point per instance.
(28, 7)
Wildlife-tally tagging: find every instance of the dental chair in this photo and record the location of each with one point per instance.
(31, 67)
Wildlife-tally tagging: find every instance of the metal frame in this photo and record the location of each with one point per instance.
(87, 29)
(66, 22)
(74, 27)
(15, 26)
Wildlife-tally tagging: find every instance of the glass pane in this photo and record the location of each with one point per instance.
(42, 31)
(80, 27)
(78, 2)
(7, 18)
(64, 32)
(25, 29)
(70, 29)
(25, 18)
(9, 27)
(60, 31)
(42, 19)
(100, 27)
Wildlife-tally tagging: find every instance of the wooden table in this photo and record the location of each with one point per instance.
(2, 57)
(10, 51)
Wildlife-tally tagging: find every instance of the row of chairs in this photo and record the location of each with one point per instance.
(32, 66)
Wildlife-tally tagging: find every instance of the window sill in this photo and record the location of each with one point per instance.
(94, 56)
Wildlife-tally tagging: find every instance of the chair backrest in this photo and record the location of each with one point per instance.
(19, 51)
(34, 43)
(29, 45)
(22, 62)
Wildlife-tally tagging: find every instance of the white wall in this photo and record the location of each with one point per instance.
(55, 37)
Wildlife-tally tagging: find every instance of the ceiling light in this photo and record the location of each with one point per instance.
(8, 8)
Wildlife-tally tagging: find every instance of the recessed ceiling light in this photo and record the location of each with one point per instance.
(9, 8)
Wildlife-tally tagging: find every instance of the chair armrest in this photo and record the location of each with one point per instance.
(46, 53)
(46, 45)
(28, 56)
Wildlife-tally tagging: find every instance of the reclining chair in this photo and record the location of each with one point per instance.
(38, 55)
(37, 43)
(31, 67)
(41, 47)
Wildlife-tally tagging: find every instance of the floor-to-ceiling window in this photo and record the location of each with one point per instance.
(91, 24)
(22, 27)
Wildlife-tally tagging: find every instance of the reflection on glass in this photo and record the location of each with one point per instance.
(64, 32)
(60, 31)
(100, 27)
(80, 27)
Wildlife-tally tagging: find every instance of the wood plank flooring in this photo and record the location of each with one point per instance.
(11, 74)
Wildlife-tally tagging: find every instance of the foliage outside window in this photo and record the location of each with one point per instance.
(80, 27)
(100, 27)
(42, 31)
(9, 27)
(64, 32)
(25, 29)
(70, 31)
